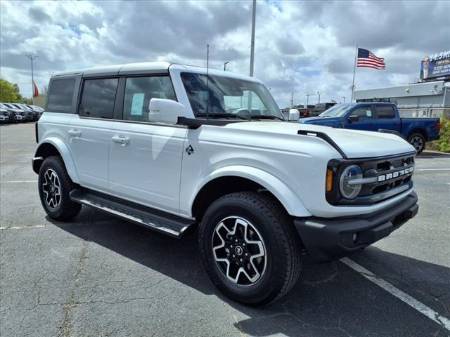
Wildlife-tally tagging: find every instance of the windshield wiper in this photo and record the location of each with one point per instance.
(220, 115)
(265, 117)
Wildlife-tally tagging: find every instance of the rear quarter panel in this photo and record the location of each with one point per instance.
(427, 126)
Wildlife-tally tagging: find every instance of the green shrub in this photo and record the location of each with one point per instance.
(443, 144)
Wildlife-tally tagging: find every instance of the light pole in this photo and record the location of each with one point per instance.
(307, 100)
(225, 65)
(318, 94)
(32, 58)
(252, 45)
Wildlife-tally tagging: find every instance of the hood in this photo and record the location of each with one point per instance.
(308, 120)
(354, 143)
(320, 120)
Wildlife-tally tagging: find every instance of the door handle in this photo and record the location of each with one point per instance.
(74, 133)
(122, 140)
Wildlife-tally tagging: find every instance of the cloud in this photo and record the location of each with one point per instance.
(302, 47)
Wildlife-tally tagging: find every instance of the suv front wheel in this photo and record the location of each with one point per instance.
(54, 188)
(249, 248)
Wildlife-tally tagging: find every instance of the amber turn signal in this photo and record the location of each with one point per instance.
(329, 180)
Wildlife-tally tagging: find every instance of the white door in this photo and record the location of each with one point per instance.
(90, 133)
(145, 157)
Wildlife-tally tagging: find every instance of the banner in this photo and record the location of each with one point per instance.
(434, 66)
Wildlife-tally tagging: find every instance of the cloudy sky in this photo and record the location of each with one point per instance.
(305, 46)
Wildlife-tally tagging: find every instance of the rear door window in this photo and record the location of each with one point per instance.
(98, 97)
(60, 95)
(385, 111)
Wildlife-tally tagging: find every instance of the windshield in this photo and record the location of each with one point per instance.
(337, 110)
(224, 97)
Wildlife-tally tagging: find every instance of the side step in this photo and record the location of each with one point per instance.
(145, 216)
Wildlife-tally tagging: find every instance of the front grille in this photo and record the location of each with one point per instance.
(390, 174)
(382, 179)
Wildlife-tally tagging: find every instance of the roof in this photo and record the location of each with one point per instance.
(116, 69)
(410, 90)
(150, 67)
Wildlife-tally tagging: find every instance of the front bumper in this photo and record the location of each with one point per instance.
(329, 239)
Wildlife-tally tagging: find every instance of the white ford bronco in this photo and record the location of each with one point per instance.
(175, 147)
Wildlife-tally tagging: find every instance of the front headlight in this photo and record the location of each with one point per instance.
(348, 184)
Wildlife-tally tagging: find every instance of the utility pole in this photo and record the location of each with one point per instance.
(307, 100)
(252, 45)
(207, 57)
(292, 98)
(318, 94)
(32, 58)
(225, 65)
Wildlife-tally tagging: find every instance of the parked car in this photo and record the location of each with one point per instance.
(379, 116)
(28, 112)
(173, 147)
(4, 114)
(16, 114)
(38, 111)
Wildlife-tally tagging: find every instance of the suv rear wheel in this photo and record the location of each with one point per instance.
(249, 248)
(54, 188)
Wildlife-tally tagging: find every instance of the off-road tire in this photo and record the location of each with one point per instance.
(66, 209)
(282, 244)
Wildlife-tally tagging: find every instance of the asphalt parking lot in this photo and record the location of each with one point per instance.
(100, 276)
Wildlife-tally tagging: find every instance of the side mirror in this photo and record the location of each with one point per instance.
(353, 118)
(165, 110)
(294, 115)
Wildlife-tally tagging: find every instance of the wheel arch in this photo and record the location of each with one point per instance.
(236, 179)
(55, 147)
(419, 131)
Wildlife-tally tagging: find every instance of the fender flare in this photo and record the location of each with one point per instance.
(290, 201)
(64, 153)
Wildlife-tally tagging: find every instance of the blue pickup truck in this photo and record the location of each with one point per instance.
(376, 116)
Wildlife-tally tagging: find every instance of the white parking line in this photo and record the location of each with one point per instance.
(21, 227)
(17, 181)
(412, 302)
(433, 169)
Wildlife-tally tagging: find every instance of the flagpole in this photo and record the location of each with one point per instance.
(354, 74)
(32, 58)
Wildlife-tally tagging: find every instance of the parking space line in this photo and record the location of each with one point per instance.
(411, 301)
(433, 169)
(17, 181)
(2, 228)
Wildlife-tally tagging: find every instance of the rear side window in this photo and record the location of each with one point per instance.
(60, 95)
(385, 112)
(138, 93)
(97, 98)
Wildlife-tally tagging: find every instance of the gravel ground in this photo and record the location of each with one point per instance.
(100, 276)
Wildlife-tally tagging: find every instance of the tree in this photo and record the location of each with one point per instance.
(9, 92)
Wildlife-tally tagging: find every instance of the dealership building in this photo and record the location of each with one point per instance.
(428, 98)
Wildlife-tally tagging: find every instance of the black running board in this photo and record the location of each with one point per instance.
(154, 219)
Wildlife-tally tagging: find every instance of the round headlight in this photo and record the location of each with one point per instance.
(347, 185)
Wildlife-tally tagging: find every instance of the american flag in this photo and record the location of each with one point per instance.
(367, 59)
